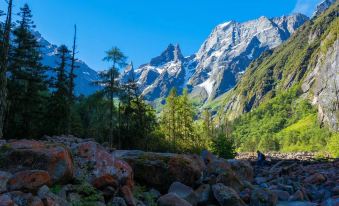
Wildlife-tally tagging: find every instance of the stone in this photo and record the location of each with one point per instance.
(218, 167)
(183, 192)
(172, 200)
(263, 197)
(245, 195)
(101, 168)
(4, 177)
(226, 195)
(242, 169)
(203, 194)
(282, 195)
(334, 201)
(51, 199)
(6, 200)
(296, 203)
(297, 196)
(316, 178)
(117, 201)
(24, 155)
(30, 180)
(128, 195)
(25, 199)
(229, 179)
(207, 156)
(160, 170)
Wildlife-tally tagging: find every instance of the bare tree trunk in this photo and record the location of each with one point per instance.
(71, 81)
(3, 67)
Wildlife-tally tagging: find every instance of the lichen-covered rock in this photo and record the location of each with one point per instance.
(95, 164)
(172, 200)
(160, 170)
(226, 195)
(21, 155)
(30, 180)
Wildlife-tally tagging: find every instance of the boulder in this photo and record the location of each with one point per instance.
(217, 167)
(94, 163)
(4, 177)
(334, 201)
(183, 192)
(160, 170)
(117, 201)
(229, 179)
(316, 178)
(203, 194)
(21, 155)
(172, 200)
(263, 197)
(296, 203)
(25, 199)
(243, 169)
(6, 200)
(297, 196)
(128, 195)
(226, 195)
(282, 195)
(207, 156)
(30, 180)
(50, 199)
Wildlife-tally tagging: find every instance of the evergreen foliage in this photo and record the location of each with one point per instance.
(27, 82)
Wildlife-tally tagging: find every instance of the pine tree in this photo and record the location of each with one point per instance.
(59, 103)
(110, 83)
(4, 52)
(207, 126)
(27, 81)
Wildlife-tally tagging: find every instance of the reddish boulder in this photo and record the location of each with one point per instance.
(128, 195)
(104, 169)
(29, 180)
(21, 155)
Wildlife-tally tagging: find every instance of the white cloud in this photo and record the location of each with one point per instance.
(306, 7)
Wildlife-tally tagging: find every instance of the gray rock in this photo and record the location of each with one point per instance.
(117, 201)
(4, 177)
(172, 200)
(226, 196)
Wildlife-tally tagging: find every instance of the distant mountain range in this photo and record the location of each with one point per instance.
(85, 75)
(219, 63)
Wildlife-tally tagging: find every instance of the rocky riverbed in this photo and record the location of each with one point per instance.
(72, 171)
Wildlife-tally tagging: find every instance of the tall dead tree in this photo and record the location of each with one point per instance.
(72, 76)
(5, 46)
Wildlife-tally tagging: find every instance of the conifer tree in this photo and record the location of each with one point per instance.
(110, 83)
(27, 82)
(169, 117)
(185, 118)
(59, 103)
(4, 52)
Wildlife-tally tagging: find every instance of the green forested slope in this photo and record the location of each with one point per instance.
(269, 108)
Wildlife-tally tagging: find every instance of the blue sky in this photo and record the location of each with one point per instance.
(142, 29)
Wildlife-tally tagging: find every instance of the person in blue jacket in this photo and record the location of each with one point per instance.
(261, 158)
